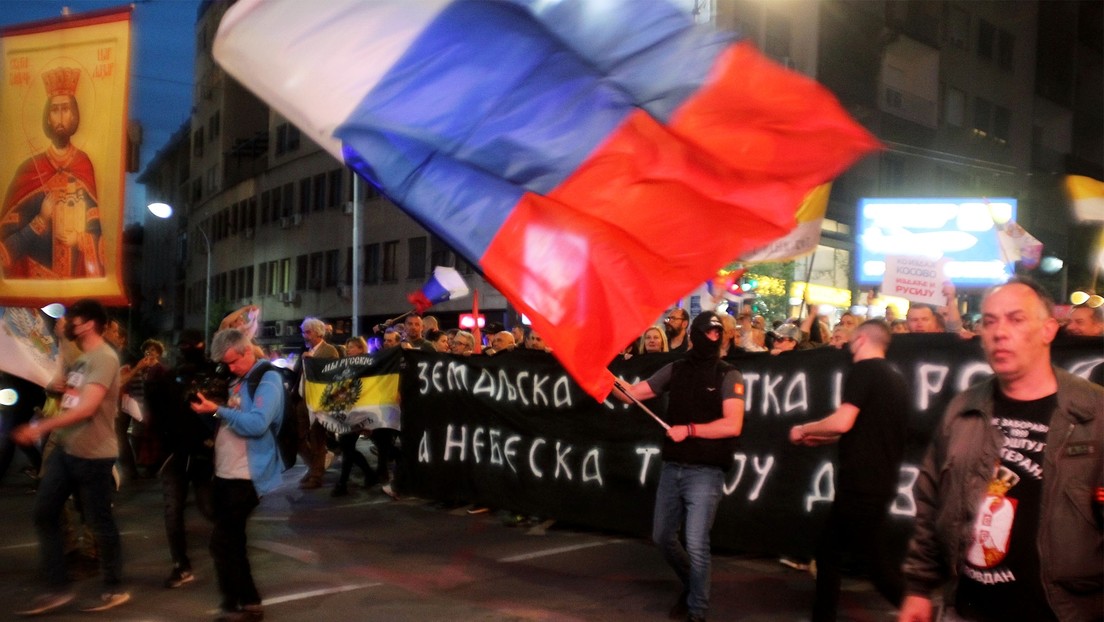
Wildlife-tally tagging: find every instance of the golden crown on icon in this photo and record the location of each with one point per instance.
(61, 81)
(1002, 481)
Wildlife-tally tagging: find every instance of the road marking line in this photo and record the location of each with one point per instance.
(313, 593)
(354, 505)
(304, 555)
(27, 545)
(555, 551)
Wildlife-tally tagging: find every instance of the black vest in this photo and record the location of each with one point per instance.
(695, 396)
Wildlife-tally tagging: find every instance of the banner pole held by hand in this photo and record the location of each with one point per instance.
(651, 414)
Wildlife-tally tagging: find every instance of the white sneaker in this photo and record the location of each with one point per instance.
(107, 600)
(45, 603)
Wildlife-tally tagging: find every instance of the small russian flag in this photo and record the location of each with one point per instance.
(445, 284)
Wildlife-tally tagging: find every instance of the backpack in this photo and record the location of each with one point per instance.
(287, 434)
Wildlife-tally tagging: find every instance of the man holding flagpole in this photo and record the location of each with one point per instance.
(706, 414)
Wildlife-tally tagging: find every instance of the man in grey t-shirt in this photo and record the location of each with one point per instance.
(85, 435)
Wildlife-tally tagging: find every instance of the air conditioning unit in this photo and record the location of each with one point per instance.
(285, 222)
(348, 207)
(248, 233)
(289, 330)
(280, 327)
(296, 220)
(344, 291)
(282, 297)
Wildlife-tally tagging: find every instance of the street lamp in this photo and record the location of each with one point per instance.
(165, 211)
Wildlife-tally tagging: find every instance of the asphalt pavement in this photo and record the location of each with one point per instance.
(368, 557)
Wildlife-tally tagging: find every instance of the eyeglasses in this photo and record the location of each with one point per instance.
(675, 318)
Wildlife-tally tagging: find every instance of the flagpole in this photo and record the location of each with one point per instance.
(620, 387)
(478, 334)
(808, 277)
(356, 256)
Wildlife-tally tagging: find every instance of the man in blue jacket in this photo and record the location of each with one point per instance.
(246, 467)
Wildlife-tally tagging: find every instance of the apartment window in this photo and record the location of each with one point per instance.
(214, 127)
(372, 263)
(264, 279)
(287, 138)
(232, 220)
(958, 27)
(416, 264)
(954, 107)
(348, 280)
(285, 274)
(390, 261)
(304, 195)
(212, 180)
(337, 187)
(987, 35)
(266, 207)
(197, 143)
(277, 204)
(439, 252)
(983, 116)
(251, 217)
(1006, 47)
(1002, 123)
(317, 270)
(300, 273)
(289, 199)
(330, 276)
(319, 191)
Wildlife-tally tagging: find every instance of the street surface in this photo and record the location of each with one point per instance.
(367, 557)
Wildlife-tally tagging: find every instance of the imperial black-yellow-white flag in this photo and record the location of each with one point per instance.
(354, 393)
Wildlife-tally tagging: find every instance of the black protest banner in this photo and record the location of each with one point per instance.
(515, 432)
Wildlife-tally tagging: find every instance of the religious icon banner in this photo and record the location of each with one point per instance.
(63, 112)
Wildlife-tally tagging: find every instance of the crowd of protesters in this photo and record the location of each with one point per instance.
(146, 424)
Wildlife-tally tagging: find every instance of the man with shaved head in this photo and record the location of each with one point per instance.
(1008, 499)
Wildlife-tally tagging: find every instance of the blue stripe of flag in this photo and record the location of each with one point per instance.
(535, 102)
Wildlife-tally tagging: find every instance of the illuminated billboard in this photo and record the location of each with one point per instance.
(961, 229)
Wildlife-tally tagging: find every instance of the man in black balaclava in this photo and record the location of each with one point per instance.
(706, 413)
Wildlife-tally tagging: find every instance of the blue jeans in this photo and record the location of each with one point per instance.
(92, 482)
(687, 497)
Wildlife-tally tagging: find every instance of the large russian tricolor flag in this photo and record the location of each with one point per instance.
(596, 159)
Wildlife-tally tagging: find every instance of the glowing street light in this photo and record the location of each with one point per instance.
(164, 211)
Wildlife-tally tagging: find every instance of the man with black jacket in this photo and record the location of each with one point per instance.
(1010, 496)
(706, 413)
(188, 443)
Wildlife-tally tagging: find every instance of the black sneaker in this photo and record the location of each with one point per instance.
(179, 577)
(107, 600)
(45, 603)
